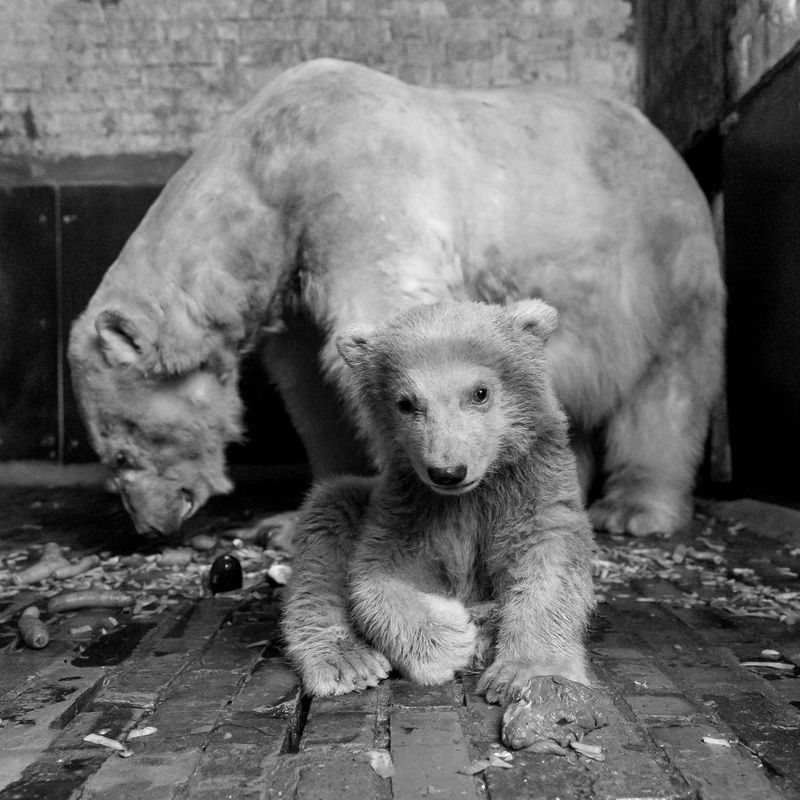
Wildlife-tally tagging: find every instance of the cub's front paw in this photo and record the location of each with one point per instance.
(506, 681)
(443, 643)
(348, 665)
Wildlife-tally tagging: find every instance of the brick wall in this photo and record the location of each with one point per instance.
(87, 78)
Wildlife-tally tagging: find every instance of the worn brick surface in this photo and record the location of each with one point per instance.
(428, 748)
(33, 718)
(143, 678)
(715, 772)
(324, 775)
(155, 776)
(232, 722)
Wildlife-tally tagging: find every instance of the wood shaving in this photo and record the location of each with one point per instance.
(381, 762)
(480, 764)
(105, 741)
(715, 740)
(138, 733)
(156, 582)
(697, 574)
(592, 751)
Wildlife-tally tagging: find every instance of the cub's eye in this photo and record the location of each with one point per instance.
(405, 405)
(480, 394)
(121, 461)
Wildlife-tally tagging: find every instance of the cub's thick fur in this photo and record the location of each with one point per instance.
(341, 196)
(477, 502)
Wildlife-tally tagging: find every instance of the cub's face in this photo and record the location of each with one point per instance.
(449, 420)
(454, 390)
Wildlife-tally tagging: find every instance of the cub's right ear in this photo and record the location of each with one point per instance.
(353, 345)
(121, 340)
(534, 316)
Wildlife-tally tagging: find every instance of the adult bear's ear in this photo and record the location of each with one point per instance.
(122, 340)
(534, 316)
(353, 345)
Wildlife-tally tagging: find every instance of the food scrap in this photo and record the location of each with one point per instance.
(381, 762)
(89, 598)
(592, 751)
(32, 630)
(717, 741)
(105, 741)
(51, 560)
(68, 586)
(768, 664)
(481, 764)
(138, 733)
(280, 573)
(71, 570)
(176, 557)
(552, 713)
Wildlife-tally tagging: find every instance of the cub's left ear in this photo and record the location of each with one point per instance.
(534, 316)
(353, 345)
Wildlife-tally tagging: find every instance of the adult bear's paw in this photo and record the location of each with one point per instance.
(637, 516)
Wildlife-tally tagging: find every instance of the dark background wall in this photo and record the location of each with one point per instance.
(100, 102)
(56, 242)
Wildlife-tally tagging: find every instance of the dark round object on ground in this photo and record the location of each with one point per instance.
(225, 574)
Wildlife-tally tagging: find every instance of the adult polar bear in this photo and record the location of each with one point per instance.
(340, 195)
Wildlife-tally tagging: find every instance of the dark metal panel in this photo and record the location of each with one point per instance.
(28, 324)
(762, 227)
(96, 221)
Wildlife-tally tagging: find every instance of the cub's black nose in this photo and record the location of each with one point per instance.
(447, 476)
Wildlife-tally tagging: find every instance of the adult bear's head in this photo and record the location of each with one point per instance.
(161, 431)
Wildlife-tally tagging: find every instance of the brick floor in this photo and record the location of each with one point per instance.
(232, 722)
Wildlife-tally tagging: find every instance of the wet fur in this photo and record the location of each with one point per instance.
(340, 195)
(391, 572)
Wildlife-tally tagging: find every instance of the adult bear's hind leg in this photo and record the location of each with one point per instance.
(653, 444)
(331, 657)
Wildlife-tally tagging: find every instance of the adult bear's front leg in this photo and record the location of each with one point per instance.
(399, 606)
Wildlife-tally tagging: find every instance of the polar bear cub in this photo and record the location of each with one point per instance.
(471, 546)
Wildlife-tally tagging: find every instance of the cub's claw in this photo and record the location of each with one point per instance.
(507, 681)
(349, 667)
